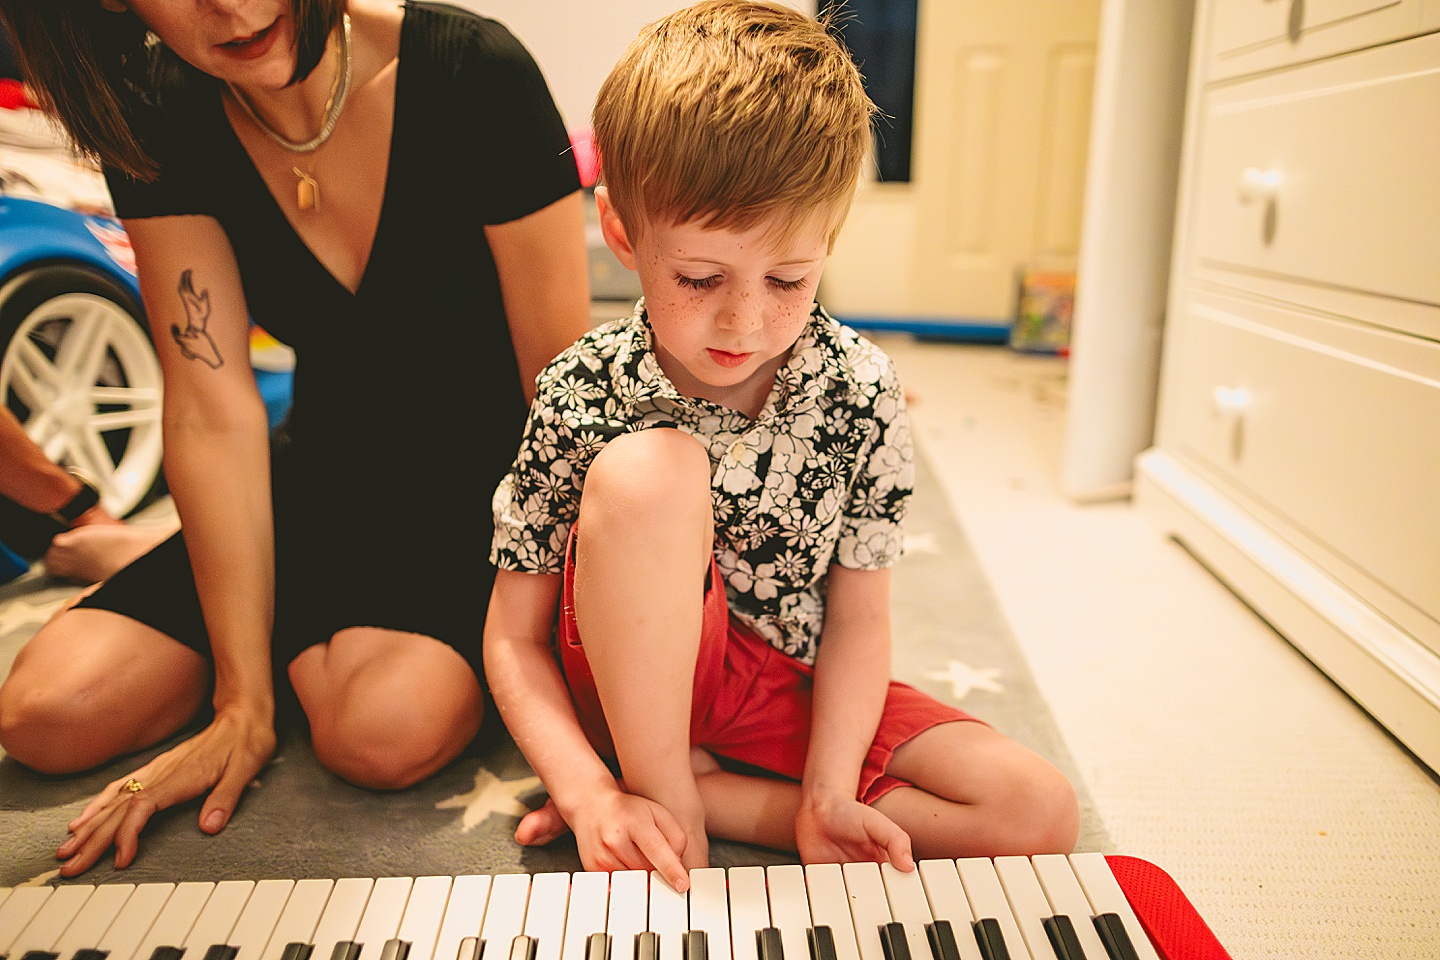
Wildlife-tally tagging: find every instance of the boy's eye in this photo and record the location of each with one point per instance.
(786, 285)
(701, 283)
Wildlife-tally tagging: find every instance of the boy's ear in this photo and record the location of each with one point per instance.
(614, 230)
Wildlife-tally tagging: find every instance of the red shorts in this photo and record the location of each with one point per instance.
(751, 702)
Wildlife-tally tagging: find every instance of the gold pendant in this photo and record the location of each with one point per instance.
(307, 191)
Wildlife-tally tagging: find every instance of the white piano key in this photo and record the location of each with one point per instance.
(1027, 902)
(789, 908)
(18, 910)
(423, 915)
(1062, 889)
(589, 903)
(123, 937)
(629, 911)
(341, 917)
(709, 910)
(463, 914)
(90, 924)
(749, 910)
(669, 916)
(1105, 896)
(381, 919)
(51, 919)
(908, 905)
(947, 902)
(869, 908)
(830, 907)
(505, 913)
(257, 921)
(545, 916)
(173, 924)
(215, 922)
(987, 899)
(299, 918)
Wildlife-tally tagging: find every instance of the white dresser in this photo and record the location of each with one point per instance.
(1297, 448)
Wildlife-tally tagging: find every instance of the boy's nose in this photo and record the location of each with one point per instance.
(742, 314)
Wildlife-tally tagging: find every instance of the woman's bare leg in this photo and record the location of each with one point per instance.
(386, 709)
(93, 685)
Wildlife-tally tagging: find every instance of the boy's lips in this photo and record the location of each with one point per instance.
(252, 45)
(727, 359)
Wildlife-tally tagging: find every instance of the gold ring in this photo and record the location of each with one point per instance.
(133, 785)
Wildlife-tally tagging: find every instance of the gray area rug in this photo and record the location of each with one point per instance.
(299, 821)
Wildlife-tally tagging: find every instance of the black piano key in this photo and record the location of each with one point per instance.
(221, 951)
(90, 953)
(695, 946)
(991, 939)
(893, 942)
(522, 948)
(597, 946)
(168, 953)
(395, 949)
(768, 944)
(1115, 937)
(822, 943)
(471, 948)
(294, 951)
(1062, 937)
(942, 940)
(39, 955)
(346, 950)
(647, 945)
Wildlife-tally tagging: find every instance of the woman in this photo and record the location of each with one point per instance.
(388, 190)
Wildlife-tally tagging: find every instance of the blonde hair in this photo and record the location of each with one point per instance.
(734, 113)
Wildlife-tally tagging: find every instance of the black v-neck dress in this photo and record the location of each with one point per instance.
(407, 403)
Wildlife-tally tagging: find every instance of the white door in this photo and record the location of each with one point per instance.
(1002, 120)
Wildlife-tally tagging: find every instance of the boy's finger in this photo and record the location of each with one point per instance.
(657, 849)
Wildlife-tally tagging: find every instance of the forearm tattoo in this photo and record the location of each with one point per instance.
(194, 342)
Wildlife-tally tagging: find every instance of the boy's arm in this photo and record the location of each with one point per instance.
(852, 675)
(614, 830)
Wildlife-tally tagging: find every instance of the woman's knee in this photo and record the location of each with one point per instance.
(63, 713)
(391, 749)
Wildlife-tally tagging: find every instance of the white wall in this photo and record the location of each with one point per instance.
(576, 42)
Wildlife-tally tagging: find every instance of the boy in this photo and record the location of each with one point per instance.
(713, 491)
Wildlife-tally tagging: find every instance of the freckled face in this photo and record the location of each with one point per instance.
(727, 306)
(247, 42)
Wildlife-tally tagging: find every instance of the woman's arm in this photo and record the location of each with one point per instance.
(852, 676)
(614, 830)
(545, 283)
(217, 467)
(32, 480)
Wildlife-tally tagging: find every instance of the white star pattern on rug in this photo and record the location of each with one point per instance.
(963, 678)
(21, 613)
(490, 795)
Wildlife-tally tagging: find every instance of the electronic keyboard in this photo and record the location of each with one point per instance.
(1080, 907)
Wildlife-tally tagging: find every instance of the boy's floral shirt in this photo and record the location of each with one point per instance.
(822, 476)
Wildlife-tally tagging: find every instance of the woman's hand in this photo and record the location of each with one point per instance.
(838, 829)
(223, 758)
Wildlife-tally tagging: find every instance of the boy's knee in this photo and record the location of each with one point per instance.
(650, 471)
(1049, 813)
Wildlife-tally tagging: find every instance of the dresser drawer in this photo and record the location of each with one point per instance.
(1327, 175)
(1332, 428)
(1247, 36)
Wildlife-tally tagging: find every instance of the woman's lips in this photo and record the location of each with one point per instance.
(727, 359)
(253, 46)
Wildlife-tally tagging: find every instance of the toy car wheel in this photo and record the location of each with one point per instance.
(80, 372)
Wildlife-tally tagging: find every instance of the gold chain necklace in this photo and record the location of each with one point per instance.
(307, 190)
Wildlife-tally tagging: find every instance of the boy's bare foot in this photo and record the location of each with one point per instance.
(539, 827)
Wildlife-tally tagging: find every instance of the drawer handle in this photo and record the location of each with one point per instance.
(1264, 186)
(1230, 404)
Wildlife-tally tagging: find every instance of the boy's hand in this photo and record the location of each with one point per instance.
(624, 831)
(838, 829)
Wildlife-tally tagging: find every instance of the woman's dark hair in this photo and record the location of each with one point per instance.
(95, 72)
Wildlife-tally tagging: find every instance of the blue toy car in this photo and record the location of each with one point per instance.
(77, 365)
